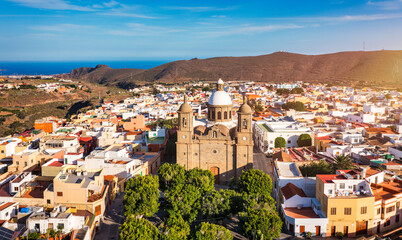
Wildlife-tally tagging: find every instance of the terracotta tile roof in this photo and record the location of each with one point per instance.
(6, 205)
(56, 164)
(289, 190)
(282, 156)
(327, 178)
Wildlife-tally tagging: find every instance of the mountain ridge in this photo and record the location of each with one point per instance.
(353, 68)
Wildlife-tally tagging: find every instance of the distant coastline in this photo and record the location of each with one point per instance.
(49, 68)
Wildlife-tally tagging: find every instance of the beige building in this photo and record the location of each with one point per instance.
(218, 143)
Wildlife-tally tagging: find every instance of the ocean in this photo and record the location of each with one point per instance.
(49, 68)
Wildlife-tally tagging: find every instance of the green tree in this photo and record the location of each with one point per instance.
(304, 140)
(297, 90)
(280, 142)
(201, 179)
(298, 106)
(171, 176)
(258, 107)
(141, 196)
(34, 235)
(257, 202)
(184, 200)
(255, 181)
(206, 89)
(264, 224)
(393, 128)
(209, 231)
(342, 162)
(282, 91)
(215, 204)
(388, 96)
(314, 168)
(139, 229)
(174, 228)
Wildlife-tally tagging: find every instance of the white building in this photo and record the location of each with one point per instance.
(266, 131)
(361, 118)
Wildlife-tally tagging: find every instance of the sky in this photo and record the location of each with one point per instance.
(81, 30)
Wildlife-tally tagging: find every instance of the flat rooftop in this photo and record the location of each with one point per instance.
(305, 212)
(287, 169)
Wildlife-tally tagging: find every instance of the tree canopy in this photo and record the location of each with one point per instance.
(174, 228)
(201, 179)
(280, 142)
(141, 196)
(210, 231)
(314, 168)
(282, 91)
(183, 200)
(342, 162)
(171, 176)
(298, 106)
(297, 90)
(262, 223)
(139, 229)
(255, 181)
(304, 140)
(219, 203)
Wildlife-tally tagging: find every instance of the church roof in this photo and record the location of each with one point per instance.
(185, 107)
(245, 108)
(220, 98)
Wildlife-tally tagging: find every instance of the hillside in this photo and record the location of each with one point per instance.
(376, 68)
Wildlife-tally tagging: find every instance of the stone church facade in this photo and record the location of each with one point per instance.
(219, 143)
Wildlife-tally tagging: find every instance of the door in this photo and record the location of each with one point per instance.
(333, 231)
(378, 227)
(302, 229)
(345, 231)
(317, 230)
(361, 227)
(291, 228)
(215, 172)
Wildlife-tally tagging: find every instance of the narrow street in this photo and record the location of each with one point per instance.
(262, 162)
(113, 219)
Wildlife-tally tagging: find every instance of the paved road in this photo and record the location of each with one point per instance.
(113, 219)
(262, 162)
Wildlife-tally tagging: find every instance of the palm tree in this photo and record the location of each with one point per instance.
(342, 162)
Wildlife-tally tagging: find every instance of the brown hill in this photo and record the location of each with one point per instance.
(375, 68)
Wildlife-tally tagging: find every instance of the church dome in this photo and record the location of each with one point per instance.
(220, 98)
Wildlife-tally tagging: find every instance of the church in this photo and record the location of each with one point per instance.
(218, 143)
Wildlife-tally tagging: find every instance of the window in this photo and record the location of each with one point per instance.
(15, 188)
(60, 194)
(219, 115)
(363, 210)
(397, 218)
(289, 141)
(6, 214)
(387, 222)
(390, 209)
(25, 164)
(333, 211)
(98, 210)
(342, 186)
(37, 226)
(379, 211)
(330, 191)
(348, 211)
(48, 201)
(18, 163)
(60, 226)
(225, 115)
(214, 134)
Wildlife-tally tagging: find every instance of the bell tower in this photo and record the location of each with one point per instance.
(184, 135)
(244, 140)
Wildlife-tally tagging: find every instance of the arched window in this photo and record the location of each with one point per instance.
(209, 114)
(225, 115)
(184, 122)
(219, 115)
(244, 123)
(215, 134)
(213, 114)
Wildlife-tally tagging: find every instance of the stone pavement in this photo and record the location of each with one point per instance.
(113, 219)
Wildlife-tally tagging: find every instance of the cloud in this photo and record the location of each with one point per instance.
(61, 27)
(386, 5)
(137, 29)
(107, 4)
(248, 30)
(198, 9)
(51, 4)
(117, 13)
(344, 18)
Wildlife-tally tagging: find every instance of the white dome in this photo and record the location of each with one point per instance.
(220, 98)
(220, 81)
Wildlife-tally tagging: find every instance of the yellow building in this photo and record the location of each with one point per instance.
(348, 203)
